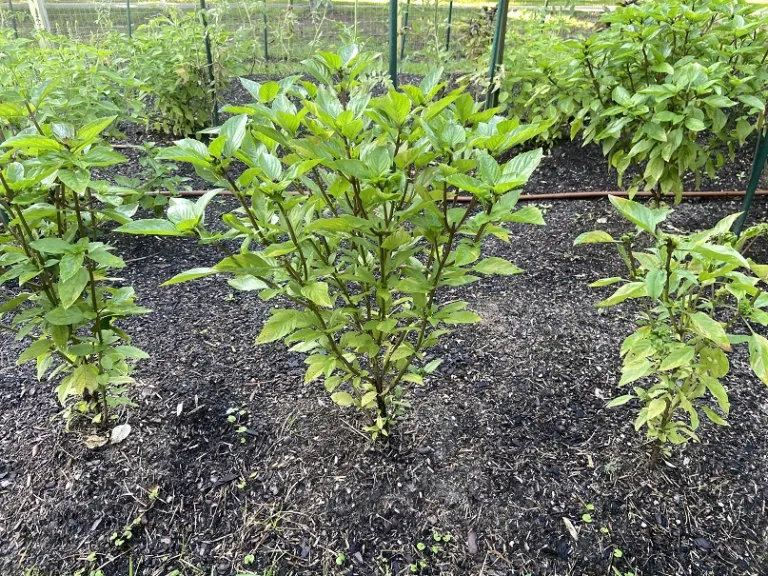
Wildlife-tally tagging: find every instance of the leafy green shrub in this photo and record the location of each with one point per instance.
(667, 88)
(80, 81)
(699, 296)
(674, 84)
(66, 302)
(168, 56)
(535, 59)
(348, 211)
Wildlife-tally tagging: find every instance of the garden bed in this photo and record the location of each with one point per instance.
(509, 437)
(567, 167)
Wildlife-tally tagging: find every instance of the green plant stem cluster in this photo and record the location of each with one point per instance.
(65, 304)
(699, 297)
(667, 88)
(348, 211)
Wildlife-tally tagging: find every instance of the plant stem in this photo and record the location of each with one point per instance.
(96, 310)
(294, 239)
(668, 268)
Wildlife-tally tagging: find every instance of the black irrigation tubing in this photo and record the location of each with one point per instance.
(553, 196)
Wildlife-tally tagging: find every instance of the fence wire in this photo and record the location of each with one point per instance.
(430, 32)
(287, 30)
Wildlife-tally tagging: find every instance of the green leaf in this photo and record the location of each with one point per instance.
(630, 290)
(710, 329)
(723, 253)
(635, 371)
(593, 237)
(401, 106)
(663, 68)
(656, 408)
(52, 246)
(281, 249)
(85, 377)
(494, 265)
(32, 141)
(102, 256)
(523, 165)
(397, 240)
(369, 398)
(758, 357)
(268, 91)
(714, 416)
(69, 265)
(152, 226)
(314, 371)
(432, 366)
(234, 132)
(606, 282)
(93, 129)
(694, 124)
(317, 292)
(680, 356)
(182, 213)
(77, 180)
(65, 316)
(461, 317)
(247, 283)
(14, 302)
(719, 101)
(466, 254)
(132, 352)
(271, 167)
(646, 218)
(527, 215)
(654, 282)
(328, 225)
(71, 289)
(192, 274)
(35, 350)
(621, 96)
(655, 131)
(343, 399)
(279, 325)
(620, 400)
(717, 390)
(752, 101)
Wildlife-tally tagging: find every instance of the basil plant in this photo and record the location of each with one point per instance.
(696, 296)
(351, 213)
(61, 296)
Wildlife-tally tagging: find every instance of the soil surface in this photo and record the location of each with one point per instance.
(504, 443)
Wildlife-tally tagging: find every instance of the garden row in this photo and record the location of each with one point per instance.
(356, 214)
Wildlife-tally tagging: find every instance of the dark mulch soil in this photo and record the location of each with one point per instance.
(509, 438)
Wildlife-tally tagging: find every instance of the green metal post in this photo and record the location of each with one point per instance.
(405, 27)
(393, 41)
(209, 59)
(13, 19)
(758, 165)
(497, 50)
(448, 31)
(128, 14)
(266, 40)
